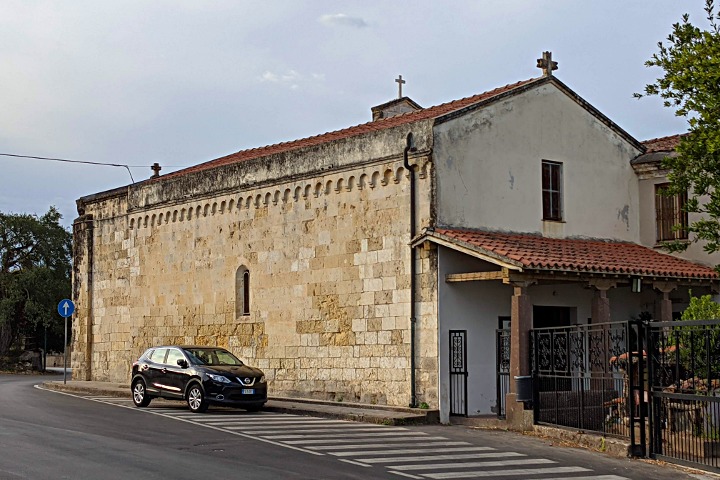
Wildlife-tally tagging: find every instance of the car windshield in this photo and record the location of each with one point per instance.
(212, 356)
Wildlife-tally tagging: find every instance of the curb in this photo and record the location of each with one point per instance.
(348, 411)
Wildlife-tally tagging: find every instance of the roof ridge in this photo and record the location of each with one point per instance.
(346, 132)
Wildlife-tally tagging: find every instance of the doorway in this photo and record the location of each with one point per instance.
(544, 316)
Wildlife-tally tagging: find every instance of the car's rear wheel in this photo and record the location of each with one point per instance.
(139, 393)
(196, 399)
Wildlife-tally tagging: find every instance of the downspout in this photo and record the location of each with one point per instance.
(410, 147)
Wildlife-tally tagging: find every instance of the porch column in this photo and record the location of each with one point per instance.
(600, 307)
(663, 304)
(520, 324)
(600, 314)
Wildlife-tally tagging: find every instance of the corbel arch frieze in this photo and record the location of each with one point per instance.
(346, 182)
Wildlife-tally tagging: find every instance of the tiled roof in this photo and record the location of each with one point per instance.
(662, 144)
(575, 255)
(410, 117)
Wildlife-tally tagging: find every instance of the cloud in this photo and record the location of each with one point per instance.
(291, 78)
(343, 20)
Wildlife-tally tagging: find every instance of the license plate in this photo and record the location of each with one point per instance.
(248, 391)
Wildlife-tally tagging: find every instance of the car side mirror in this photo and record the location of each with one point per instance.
(182, 362)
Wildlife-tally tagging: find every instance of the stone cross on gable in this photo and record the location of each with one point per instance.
(547, 64)
(400, 83)
(156, 170)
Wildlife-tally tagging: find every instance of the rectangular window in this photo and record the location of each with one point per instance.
(552, 190)
(669, 213)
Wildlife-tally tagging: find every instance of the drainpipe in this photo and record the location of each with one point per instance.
(410, 147)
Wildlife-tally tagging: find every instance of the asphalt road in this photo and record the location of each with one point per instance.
(50, 435)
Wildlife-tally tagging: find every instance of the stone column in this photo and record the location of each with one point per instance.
(663, 304)
(600, 308)
(520, 324)
(600, 314)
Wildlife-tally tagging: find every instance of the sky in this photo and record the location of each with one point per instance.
(180, 82)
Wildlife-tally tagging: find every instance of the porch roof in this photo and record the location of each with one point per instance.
(524, 251)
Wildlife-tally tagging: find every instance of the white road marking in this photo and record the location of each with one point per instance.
(349, 429)
(355, 463)
(406, 475)
(597, 477)
(431, 443)
(311, 436)
(431, 458)
(277, 424)
(506, 473)
(500, 463)
(405, 451)
(356, 438)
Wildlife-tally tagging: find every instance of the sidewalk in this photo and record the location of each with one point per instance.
(343, 411)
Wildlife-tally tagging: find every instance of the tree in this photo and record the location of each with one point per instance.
(691, 86)
(35, 255)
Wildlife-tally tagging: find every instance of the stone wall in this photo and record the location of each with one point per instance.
(328, 257)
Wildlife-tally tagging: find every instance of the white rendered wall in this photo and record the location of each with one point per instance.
(488, 166)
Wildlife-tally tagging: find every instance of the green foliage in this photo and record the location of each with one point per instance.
(700, 344)
(35, 256)
(701, 308)
(691, 86)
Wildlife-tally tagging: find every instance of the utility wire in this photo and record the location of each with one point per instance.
(86, 162)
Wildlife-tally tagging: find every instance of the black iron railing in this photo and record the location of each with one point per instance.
(684, 378)
(586, 377)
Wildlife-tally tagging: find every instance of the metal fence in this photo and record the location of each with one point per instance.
(588, 377)
(502, 362)
(684, 389)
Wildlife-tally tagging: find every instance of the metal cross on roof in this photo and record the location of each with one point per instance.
(547, 64)
(400, 83)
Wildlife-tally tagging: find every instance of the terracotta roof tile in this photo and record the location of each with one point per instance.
(578, 255)
(382, 124)
(663, 144)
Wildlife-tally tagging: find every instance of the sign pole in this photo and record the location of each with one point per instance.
(65, 309)
(65, 354)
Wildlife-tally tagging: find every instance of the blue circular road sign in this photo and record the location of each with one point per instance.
(66, 308)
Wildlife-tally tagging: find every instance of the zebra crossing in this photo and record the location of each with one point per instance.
(402, 451)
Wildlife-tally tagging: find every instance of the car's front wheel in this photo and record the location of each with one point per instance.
(196, 399)
(139, 393)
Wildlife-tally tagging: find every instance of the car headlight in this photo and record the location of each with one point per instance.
(262, 379)
(218, 378)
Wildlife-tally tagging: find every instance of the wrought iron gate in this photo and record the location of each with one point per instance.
(655, 383)
(458, 372)
(684, 391)
(589, 377)
(502, 369)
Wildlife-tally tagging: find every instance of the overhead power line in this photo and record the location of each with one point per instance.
(86, 162)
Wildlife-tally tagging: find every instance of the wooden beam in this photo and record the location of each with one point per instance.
(475, 276)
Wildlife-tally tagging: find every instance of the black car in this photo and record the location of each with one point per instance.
(199, 375)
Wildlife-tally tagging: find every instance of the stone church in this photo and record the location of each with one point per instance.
(360, 265)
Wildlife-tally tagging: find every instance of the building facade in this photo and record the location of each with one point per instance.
(342, 264)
